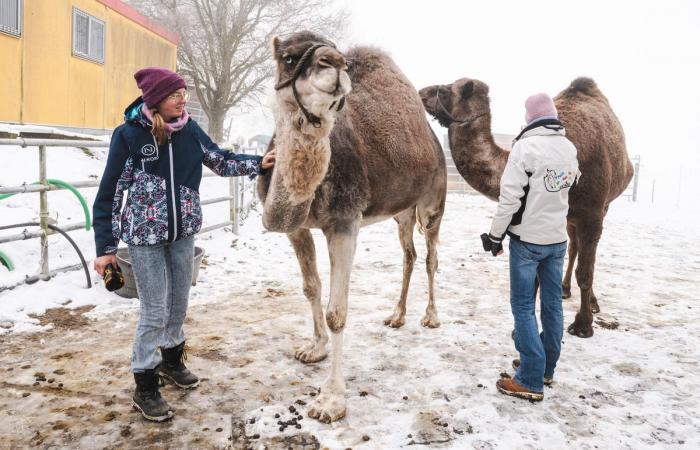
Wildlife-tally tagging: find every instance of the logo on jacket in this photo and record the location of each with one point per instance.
(150, 152)
(555, 181)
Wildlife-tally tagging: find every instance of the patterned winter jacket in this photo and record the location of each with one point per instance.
(162, 180)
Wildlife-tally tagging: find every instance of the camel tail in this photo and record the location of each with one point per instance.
(421, 227)
(583, 85)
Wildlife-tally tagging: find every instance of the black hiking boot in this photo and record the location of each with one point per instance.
(173, 367)
(147, 399)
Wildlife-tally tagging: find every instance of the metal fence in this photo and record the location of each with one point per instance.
(241, 197)
(631, 191)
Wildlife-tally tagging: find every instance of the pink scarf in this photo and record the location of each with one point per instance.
(170, 127)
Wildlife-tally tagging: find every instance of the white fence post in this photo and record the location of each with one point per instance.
(44, 214)
(637, 164)
(234, 205)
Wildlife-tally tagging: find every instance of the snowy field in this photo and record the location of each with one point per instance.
(65, 350)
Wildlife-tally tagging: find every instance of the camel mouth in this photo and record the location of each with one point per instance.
(332, 82)
(427, 97)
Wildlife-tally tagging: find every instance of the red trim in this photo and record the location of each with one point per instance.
(130, 13)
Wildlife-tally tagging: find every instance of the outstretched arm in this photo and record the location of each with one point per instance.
(227, 164)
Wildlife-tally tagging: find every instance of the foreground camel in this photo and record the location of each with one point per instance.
(346, 159)
(464, 108)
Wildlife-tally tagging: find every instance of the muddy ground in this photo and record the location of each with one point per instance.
(632, 385)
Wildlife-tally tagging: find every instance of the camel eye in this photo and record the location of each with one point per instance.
(289, 60)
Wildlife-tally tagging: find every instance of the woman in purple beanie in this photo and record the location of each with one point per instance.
(157, 155)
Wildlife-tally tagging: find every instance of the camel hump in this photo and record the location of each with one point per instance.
(365, 60)
(366, 54)
(583, 85)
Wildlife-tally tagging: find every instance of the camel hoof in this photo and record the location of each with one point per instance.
(566, 293)
(311, 353)
(328, 407)
(395, 321)
(580, 330)
(430, 321)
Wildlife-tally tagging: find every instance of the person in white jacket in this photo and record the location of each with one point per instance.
(532, 209)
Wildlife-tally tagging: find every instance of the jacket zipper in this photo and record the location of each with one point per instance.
(172, 187)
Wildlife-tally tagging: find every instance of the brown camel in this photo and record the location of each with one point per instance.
(463, 107)
(353, 148)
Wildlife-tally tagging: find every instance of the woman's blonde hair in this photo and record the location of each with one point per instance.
(158, 128)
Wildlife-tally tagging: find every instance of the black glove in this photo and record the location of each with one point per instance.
(492, 244)
(113, 277)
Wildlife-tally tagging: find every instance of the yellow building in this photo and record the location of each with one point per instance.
(70, 63)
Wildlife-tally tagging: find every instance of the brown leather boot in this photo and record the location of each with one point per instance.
(510, 387)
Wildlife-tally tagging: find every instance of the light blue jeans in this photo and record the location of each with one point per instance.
(163, 276)
(539, 352)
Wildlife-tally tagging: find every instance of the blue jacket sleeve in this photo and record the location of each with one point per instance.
(106, 211)
(227, 164)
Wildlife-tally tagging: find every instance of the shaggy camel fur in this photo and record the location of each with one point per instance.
(464, 108)
(353, 147)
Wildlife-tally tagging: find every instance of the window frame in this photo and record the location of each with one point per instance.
(18, 32)
(90, 55)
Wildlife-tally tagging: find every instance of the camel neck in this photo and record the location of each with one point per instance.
(478, 158)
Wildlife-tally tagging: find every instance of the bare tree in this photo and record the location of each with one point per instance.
(224, 47)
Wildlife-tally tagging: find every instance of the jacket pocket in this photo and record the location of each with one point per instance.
(145, 221)
(190, 211)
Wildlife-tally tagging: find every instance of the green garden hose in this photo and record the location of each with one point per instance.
(6, 261)
(75, 192)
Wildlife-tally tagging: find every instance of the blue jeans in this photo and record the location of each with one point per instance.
(163, 275)
(539, 352)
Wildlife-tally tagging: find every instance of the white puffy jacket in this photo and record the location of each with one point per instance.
(534, 198)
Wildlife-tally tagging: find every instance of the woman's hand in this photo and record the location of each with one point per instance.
(101, 263)
(268, 160)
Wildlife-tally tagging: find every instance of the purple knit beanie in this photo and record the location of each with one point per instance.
(539, 105)
(157, 83)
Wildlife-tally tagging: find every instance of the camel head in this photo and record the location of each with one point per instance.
(459, 103)
(311, 80)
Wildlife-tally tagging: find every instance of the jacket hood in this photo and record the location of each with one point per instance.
(134, 113)
(544, 125)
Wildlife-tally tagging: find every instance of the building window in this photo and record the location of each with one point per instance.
(88, 37)
(11, 17)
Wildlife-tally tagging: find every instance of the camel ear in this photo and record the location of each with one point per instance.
(275, 45)
(467, 90)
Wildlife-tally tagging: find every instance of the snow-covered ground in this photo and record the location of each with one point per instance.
(632, 385)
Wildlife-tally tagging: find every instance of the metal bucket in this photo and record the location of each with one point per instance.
(129, 288)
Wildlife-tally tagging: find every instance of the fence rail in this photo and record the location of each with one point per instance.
(239, 189)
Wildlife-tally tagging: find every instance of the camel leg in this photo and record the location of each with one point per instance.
(329, 406)
(573, 251)
(430, 319)
(407, 222)
(587, 241)
(303, 243)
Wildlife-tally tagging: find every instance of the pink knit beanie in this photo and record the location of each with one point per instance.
(157, 83)
(539, 105)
